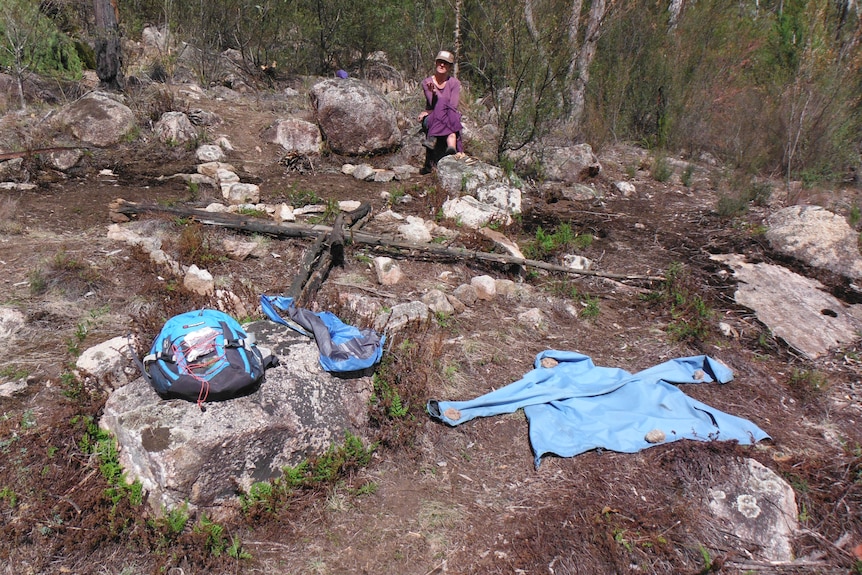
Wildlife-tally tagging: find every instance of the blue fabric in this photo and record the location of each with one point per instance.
(343, 348)
(575, 406)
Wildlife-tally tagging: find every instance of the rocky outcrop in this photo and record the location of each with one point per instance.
(294, 135)
(175, 128)
(354, 118)
(817, 237)
(183, 454)
(98, 119)
(566, 164)
(759, 509)
(795, 308)
(479, 192)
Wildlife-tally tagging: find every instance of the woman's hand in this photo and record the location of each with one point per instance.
(422, 114)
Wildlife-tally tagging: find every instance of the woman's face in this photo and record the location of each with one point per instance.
(442, 66)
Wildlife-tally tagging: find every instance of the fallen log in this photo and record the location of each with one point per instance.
(293, 230)
(319, 260)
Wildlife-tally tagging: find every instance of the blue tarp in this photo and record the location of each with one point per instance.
(343, 348)
(575, 406)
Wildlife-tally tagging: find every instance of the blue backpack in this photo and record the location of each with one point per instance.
(205, 355)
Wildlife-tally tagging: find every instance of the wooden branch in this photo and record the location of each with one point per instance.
(251, 224)
(335, 255)
(305, 268)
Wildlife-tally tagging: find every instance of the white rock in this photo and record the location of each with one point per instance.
(505, 287)
(485, 286)
(226, 176)
(108, 362)
(12, 388)
(199, 281)
(470, 212)
(437, 302)
(388, 216)
(401, 315)
(466, 294)
(12, 322)
(211, 169)
(223, 143)
(383, 176)
(387, 270)
(241, 193)
(284, 213)
(576, 262)
(364, 172)
(309, 209)
(532, 318)
(209, 153)
(415, 231)
(216, 208)
(626, 188)
(349, 205)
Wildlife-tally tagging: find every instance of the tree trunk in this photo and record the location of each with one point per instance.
(675, 9)
(109, 58)
(457, 48)
(585, 56)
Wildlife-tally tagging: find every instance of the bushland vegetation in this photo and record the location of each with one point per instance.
(771, 87)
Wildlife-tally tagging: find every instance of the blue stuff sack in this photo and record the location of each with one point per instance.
(343, 348)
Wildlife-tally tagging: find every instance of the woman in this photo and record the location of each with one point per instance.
(440, 119)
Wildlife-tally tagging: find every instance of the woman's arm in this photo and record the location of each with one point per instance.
(455, 94)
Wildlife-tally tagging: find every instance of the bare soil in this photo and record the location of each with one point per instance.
(434, 499)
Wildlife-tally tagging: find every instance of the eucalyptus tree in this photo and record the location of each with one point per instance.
(20, 29)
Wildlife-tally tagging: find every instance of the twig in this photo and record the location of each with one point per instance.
(368, 289)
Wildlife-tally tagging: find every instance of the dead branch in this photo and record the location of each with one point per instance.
(318, 260)
(256, 225)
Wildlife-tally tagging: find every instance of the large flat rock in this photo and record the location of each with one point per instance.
(793, 307)
(182, 454)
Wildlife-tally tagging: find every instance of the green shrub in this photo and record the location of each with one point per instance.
(96, 441)
(30, 41)
(729, 207)
(313, 473)
(808, 384)
(691, 317)
(662, 170)
(563, 237)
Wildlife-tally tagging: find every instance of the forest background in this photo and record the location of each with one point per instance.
(769, 87)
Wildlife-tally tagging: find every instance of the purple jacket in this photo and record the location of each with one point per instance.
(444, 118)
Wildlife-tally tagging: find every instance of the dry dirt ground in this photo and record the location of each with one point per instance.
(463, 500)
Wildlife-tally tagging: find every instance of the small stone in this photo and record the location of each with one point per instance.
(486, 287)
(452, 414)
(549, 362)
(655, 436)
(387, 270)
